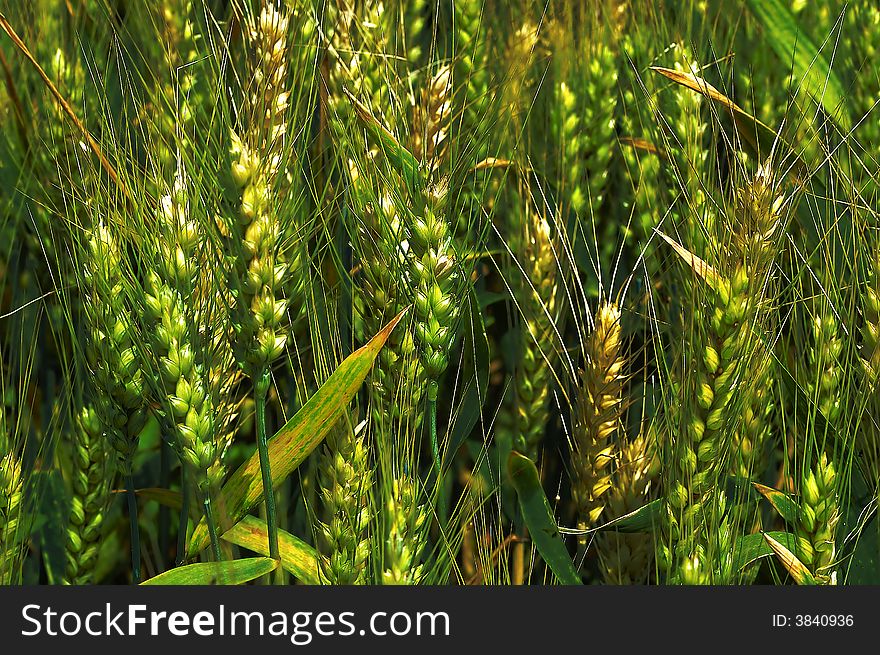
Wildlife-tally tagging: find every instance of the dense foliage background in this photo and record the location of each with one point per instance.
(526, 292)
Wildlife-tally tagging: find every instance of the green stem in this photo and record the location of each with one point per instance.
(183, 524)
(261, 389)
(135, 532)
(432, 422)
(212, 528)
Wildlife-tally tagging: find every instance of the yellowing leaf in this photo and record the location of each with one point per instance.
(701, 86)
(297, 557)
(221, 573)
(782, 503)
(700, 267)
(299, 436)
(792, 564)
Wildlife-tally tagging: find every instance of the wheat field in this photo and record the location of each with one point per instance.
(492, 292)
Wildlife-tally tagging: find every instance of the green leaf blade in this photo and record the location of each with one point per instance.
(752, 547)
(788, 509)
(539, 518)
(794, 48)
(211, 573)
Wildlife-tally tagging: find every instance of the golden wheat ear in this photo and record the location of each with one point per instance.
(598, 411)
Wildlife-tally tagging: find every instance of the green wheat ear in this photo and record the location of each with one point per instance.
(407, 523)
(629, 558)
(90, 501)
(817, 521)
(740, 297)
(192, 363)
(111, 347)
(11, 489)
(347, 488)
(535, 284)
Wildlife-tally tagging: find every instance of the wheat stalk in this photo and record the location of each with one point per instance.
(697, 514)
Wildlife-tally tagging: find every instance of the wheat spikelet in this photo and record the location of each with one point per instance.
(688, 153)
(90, 498)
(270, 267)
(472, 56)
(642, 157)
(817, 521)
(346, 487)
(535, 287)
(755, 230)
(599, 409)
(111, 350)
(180, 98)
(431, 120)
(415, 21)
(870, 350)
(629, 558)
(11, 495)
(407, 523)
(729, 354)
(193, 373)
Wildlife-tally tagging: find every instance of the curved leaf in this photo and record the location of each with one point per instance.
(753, 547)
(792, 564)
(297, 557)
(298, 437)
(539, 519)
(644, 519)
(207, 573)
(746, 123)
(701, 268)
(788, 509)
(401, 158)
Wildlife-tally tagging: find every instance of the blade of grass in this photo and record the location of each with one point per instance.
(208, 573)
(539, 519)
(701, 268)
(782, 503)
(752, 547)
(297, 557)
(793, 46)
(792, 564)
(261, 389)
(755, 132)
(646, 518)
(299, 436)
